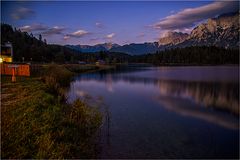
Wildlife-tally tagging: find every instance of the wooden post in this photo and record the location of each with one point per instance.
(13, 74)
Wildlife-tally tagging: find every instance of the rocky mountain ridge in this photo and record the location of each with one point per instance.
(222, 31)
(172, 38)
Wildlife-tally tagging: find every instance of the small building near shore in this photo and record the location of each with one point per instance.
(100, 62)
(81, 62)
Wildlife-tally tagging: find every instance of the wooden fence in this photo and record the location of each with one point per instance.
(21, 69)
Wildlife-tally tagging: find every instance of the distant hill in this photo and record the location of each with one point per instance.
(132, 49)
(95, 48)
(137, 49)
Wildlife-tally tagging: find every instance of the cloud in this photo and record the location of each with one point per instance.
(54, 30)
(26, 28)
(34, 27)
(184, 30)
(22, 13)
(94, 39)
(110, 36)
(45, 30)
(191, 16)
(66, 37)
(99, 25)
(141, 35)
(78, 34)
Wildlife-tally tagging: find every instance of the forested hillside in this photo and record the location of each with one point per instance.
(37, 50)
(33, 49)
(191, 56)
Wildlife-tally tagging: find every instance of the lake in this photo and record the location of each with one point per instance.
(165, 112)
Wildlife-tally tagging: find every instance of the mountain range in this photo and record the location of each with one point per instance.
(221, 31)
(95, 48)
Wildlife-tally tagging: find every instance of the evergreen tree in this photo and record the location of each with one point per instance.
(40, 37)
(45, 41)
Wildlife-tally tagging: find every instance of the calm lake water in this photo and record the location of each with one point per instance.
(165, 112)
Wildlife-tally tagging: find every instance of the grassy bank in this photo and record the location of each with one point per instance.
(76, 68)
(37, 123)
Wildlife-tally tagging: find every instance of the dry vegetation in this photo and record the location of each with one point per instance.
(36, 123)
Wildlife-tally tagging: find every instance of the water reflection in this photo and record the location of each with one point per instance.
(182, 107)
(217, 95)
(152, 111)
(220, 96)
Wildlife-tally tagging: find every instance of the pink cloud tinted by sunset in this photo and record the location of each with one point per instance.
(191, 16)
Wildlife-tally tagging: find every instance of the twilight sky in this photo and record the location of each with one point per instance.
(79, 22)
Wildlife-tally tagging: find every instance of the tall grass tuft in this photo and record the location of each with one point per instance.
(57, 77)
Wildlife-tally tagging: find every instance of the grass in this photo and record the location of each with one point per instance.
(81, 68)
(36, 123)
(76, 68)
(57, 77)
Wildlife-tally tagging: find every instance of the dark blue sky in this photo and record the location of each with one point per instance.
(79, 22)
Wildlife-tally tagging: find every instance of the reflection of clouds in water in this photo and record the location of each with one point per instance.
(80, 93)
(110, 88)
(76, 92)
(183, 107)
(109, 83)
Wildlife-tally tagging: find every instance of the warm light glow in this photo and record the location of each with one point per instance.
(1, 60)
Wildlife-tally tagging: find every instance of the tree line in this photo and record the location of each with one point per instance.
(37, 50)
(194, 55)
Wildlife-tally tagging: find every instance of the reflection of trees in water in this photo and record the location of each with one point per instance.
(183, 107)
(210, 94)
(109, 83)
(174, 96)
